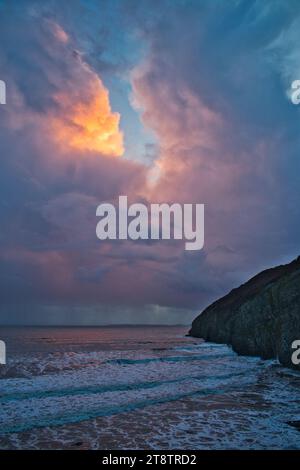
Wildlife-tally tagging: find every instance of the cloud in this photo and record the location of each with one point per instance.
(211, 84)
(212, 89)
(85, 121)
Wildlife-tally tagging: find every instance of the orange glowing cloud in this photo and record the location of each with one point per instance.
(59, 33)
(87, 122)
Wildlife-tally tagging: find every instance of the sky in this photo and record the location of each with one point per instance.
(171, 101)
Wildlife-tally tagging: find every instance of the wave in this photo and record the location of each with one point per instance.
(113, 388)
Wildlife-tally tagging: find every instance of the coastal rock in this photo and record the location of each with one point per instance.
(259, 318)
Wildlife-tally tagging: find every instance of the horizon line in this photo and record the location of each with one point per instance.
(94, 325)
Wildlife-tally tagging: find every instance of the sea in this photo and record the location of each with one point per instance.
(141, 387)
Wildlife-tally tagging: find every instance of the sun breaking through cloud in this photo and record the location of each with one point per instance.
(88, 123)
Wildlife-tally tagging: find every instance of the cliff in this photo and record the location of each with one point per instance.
(259, 318)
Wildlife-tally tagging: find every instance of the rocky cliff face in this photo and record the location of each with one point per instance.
(260, 318)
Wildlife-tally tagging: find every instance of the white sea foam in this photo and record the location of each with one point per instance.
(175, 392)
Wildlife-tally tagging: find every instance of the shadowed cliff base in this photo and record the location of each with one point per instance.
(259, 318)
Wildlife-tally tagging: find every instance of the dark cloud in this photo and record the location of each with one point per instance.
(213, 88)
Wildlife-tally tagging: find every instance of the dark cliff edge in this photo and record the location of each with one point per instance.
(259, 318)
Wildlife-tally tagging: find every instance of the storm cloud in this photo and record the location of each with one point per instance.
(210, 81)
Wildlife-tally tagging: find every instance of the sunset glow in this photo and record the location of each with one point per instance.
(89, 123)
